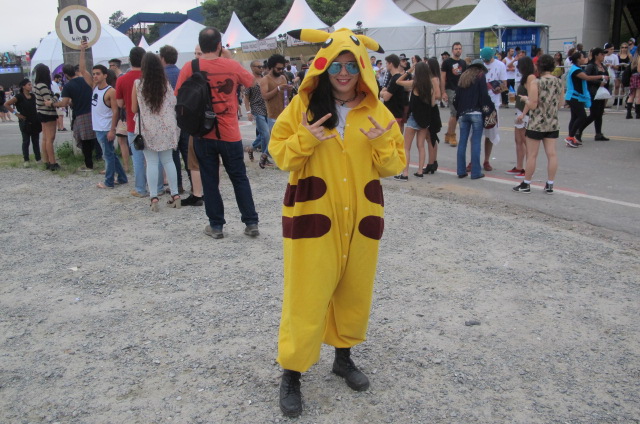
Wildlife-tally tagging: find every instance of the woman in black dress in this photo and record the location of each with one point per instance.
(30, 128)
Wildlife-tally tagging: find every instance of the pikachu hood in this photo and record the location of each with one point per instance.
(333, 44)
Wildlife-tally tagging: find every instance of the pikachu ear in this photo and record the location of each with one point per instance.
(370, 43)
(309, 35)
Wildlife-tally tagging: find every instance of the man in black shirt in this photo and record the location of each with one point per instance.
(392, 94)
(450, 73)
(77, 93)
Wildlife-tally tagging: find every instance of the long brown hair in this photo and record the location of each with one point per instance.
(422, 82)
(469, 76)
(154, 82)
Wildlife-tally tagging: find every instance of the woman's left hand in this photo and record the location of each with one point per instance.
(377, 130)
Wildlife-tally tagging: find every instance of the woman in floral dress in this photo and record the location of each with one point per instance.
(154, 102)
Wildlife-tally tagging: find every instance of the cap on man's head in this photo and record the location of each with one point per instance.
(487, 53)
(608, 46)
(403, 56)
(445, 54)
(632, 40)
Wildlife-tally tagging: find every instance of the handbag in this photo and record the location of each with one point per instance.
(138, 142)
(490, 116)
(602, 94)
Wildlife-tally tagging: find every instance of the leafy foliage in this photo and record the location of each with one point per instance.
(526, 9)
(117, 19)
(262, 17)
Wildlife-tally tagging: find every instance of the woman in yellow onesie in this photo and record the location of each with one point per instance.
(337, 140)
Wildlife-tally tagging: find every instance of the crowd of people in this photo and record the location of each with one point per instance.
(588, 80)
(338, 125)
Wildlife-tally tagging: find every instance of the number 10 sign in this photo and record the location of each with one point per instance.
(74, 23)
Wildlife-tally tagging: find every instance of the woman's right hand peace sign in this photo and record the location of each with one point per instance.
(317, 129)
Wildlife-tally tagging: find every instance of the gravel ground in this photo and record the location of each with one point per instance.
(112, 314)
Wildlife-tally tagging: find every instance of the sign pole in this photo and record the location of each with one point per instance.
(69, 55)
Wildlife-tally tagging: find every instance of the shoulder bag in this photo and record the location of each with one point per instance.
(138, 142)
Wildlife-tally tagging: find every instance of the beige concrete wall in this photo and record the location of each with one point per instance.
(587, 20)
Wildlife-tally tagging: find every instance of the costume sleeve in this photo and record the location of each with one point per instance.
(291, 143)
(388, 150)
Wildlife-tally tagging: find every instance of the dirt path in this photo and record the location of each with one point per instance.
(111, 314)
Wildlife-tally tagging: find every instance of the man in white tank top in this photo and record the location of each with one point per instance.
(510, 60)
(104, 116)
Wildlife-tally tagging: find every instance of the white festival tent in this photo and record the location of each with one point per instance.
(236, 33)
(396, 31)
(184, 38)
(300, 16)
(497, 16)
(143, 43)
(111, 44)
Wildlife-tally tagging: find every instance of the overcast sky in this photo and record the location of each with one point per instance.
(25, 22)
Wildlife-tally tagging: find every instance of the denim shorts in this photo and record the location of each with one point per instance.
(411, 123)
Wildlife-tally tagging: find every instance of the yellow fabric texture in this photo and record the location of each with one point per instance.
(333, 212)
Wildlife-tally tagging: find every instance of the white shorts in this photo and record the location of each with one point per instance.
(523, 124)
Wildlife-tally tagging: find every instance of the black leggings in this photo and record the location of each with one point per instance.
(33, 139)
(87, 152)
(578, 117)
(595, 115)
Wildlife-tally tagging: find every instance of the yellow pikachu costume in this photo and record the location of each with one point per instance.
(333, 209)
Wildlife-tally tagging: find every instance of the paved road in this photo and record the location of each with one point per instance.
(596, 183)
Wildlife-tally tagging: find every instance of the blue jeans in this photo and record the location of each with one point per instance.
(111, 161)
(139, 169)
(470, 123)
(154, 159)
(209, 152)
(264, 132)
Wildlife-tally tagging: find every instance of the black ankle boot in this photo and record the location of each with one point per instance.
(344, 367)
(600, 137)
(629, 107)
(290, 396)
(435, 165)
(637, 111)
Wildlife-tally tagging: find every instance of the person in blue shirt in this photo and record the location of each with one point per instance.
(632, 46)
(168, 58)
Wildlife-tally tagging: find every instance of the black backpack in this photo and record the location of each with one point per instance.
(194, 110)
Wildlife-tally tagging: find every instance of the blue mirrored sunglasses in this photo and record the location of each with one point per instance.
(336, 67)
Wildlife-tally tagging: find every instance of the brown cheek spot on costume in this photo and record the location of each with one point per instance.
(372, 227)
(311, 188)
(373, 192)
(305, 226)
(362, 63)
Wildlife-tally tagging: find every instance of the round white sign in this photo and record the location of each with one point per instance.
(75, 23)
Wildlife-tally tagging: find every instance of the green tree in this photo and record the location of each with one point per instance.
(526, 9)
(262, 17)
(153, 33)
(331, 11)
(117, 19)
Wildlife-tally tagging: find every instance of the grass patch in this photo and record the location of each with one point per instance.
(70, 161)
(450, 16)
(11, 161)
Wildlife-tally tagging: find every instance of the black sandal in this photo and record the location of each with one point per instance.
(154, 205)
(174, 202)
